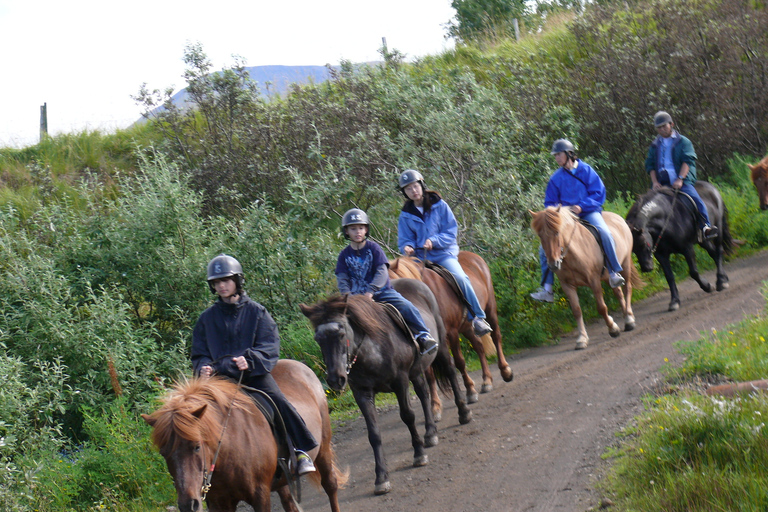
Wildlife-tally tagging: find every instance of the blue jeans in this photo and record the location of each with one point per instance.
(406, 308)
(609, 246)
(689, 189)
(462, 279)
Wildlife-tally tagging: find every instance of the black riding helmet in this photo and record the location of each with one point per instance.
(564, 145)
(354, 216)
(408, 177)
(225, 266)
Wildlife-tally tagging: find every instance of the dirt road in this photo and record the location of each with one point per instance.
(535, 443)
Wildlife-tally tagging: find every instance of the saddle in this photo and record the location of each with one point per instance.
(397, 317)
(689, 204)
(450, 279)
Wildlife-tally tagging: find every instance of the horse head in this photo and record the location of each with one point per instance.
(759, 175)
(638, 219)
(183, 430)
(549, 225)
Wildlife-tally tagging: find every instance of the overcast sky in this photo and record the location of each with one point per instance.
(85, 58)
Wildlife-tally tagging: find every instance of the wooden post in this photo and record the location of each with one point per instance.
(517, 29)
(43, 121)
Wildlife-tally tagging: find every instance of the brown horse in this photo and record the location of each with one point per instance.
(759, 174)
(577, 260)
(454, 315)
(189, 425)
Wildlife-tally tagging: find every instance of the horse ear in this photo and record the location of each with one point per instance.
(531, 213)
(306, 310)
(199, 412)
(752, 167)
(149, 419)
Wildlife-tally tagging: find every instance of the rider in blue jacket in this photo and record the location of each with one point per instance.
(576, 185)
(427, 229)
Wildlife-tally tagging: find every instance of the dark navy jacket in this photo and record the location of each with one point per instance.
(224, 331)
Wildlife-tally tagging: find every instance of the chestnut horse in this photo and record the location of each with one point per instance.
(575, 256)
(453, 311)
(759, 174)
(362, 346)
(190, 423)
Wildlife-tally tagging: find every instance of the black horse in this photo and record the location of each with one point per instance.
(663, 223)
(363, 346)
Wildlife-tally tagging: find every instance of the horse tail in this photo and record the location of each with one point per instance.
(726, 232)
(635, 279)
(342, 476)
(441, 368)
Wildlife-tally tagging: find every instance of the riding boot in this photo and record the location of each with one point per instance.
(427, 344)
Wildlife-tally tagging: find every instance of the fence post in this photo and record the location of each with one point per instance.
(43, 121)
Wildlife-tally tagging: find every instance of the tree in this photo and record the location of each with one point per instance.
(475, 18)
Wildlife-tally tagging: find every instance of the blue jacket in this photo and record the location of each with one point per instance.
(438, 224)
(583, 187)
(225, 330)
(682, 152)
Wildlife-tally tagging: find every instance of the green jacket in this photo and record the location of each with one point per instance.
(682, 152)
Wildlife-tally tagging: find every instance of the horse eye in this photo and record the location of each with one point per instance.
(197, 448)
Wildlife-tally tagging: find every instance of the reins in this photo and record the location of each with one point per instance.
(350, 361)
(666, 222)
(208, 474)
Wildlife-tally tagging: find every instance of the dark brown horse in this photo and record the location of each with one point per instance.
(188, 426)
(363, 347)
(454, 315)
(575, 256)
(759, 175)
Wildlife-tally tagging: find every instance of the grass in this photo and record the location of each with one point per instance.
(694, 452)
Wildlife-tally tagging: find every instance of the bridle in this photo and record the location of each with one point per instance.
(208, 474)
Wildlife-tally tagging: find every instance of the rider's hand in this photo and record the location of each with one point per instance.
(408, 250)
(428, 244)
(678, 183)
(369, 295)
(241, 363)
(656, 185)
(206, 371)
(576, 209)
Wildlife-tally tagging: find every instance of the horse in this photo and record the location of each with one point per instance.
(199, 414)
(662, 225)
(575, 256)
(363, 346)
(453, 311)
(759, 175)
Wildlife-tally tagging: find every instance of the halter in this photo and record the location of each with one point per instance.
(208, 474)
(350, 359)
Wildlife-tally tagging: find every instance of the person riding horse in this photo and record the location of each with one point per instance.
(671, 161)
(237, 338)
(576, 185)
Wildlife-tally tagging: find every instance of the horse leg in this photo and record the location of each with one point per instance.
(328, 474)
(504, 368)
(477, 345)
(715, 250)
(666, 267)
(366, 401)
(693, 269)
(452, 336)
(602, 308)
(423, 392)
(573, 299)
(626, 298)
(400, 388)
(437, 404)
(443, 364)
(289, 505)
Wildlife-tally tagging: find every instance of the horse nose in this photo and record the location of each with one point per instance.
(336, 382)
(191, 505)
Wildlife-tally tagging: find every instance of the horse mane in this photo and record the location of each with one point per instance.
(179, 419)
(363, 314)
(553, 219)
(405, 267)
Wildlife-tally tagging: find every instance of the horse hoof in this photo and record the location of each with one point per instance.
(486, 388)
(615, 332)
(507, 375)
(383, 488)
(472, 398)
(707, 288)
(429, 442)
(437, 415)
(674, 306)
(722, 286)
(581, 345)
(629, 327)
(465, 418)
(420, 461)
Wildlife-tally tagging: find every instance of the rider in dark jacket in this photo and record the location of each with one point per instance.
(237, 335)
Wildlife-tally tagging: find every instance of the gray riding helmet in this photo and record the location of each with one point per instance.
(224, 265)
(354, 216)
(410, 176)
(661, 118)
(563, 145)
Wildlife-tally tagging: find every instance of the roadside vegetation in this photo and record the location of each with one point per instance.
(104, 237)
